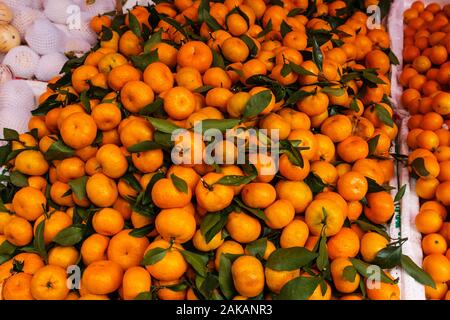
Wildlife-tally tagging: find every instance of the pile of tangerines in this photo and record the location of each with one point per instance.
(426, 79)
(91, 190)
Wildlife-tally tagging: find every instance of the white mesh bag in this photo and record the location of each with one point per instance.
(24, 18)
(83, 30)
(16, 102)
(49, 66)
(44, 37)
(57, 10)
(36, 4)
(22, 61)
(5, 74)
(77, 45)
(131, 3)
(97, 7)
(17, 3)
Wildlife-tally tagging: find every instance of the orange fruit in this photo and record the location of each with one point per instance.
(316, 212)
(242, 227)
(371, 243)
(437, 266)
(195, 54)
(380, 207)
(102, 277)
(49, 283)
(344, 244)
(248, 276)
(343, 285)
(126, 250)
(135, 281)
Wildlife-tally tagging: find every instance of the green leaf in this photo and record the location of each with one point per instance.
(7, 248)
(218, 60)
(58, 151)
(256, 212)
(106, 34)
(212, 224)
(366, 226)
(416, 272)
(70, 236)
(297, 96)
(142, 231)
(174, 23)
(373, 143)
(371, 76)
(208, 287)
(268, 28)
(163, 125)
(322, 260)
(153, 256)
(337, 92)
(418, 165)
(257, 103)
(203, 89)
(292, 152)
(384, 115)
(354, 105)
(18, 179)
(177, 287)
(49, 104)
(152, 107)
(143, 60)
(295, 12)
(225, 277)
(144, 146)
(285, 29)
(349, 273)
(197, 262)
(205, 16)
(400, 193)
(85, 101)
(392, 57)
(144, 296)
(257, 248)
(131, 180)
(4, 153)
(220, 124)
(235, 180)
(317, 55)
(164, 139)
(38, 241)
(135, 26)
(287, 259)
(365, 268)
(300, 70)
(253, 49)
(373, 186)
(315, 183)
(154, 39)
(10, 134)
(179, 183)
(389, 257)
(78, 186)
(300, 288)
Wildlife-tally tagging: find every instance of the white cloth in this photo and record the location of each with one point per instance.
(22, 61)
(44, 37)
(49, 66)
